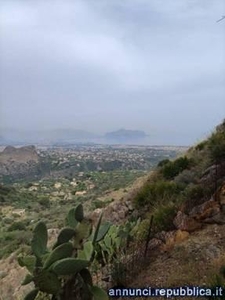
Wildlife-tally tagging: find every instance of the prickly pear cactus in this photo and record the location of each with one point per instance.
(63, 272)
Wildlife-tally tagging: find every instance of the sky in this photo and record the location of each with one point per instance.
(99, 65)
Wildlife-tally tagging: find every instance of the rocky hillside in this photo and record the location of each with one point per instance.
(183, 194)
(186, 198)
(18, 162)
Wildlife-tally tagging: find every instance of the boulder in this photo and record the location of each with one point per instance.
(169, 238)
(217, 219)
(205, 210)
(186, 223)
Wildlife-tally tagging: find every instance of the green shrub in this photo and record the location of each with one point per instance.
(201, 146)
(100, 204)
(163, 217)
(13, 241)
(17, 226)
(8, 220)
(217, 146)
(163, 162)
(156, 193)
(44, 201)
(194, 192)
(186, 177)
(141, 231)
(193, 195)
(172, 169)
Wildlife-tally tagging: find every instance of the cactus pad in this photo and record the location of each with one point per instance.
(47, 282)
(79, 213)
(70, 219)
(103, 231)
(69, 266)
(31, 295)
(28, 262)
(28, 279)
(98, 293)
(40, 238)
(65, 235)
(62, 251)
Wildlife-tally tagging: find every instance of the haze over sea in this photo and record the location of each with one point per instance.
(98, 66)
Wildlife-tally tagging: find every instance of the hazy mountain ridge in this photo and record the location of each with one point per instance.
(69, 136)
(75, 136)
(125, 135)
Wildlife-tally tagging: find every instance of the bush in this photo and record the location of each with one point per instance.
(163, 217)
(156, 193)
(172, 169)
(13, 241)
(186, 177)
(141, 231)
(194, 192)
(201, 146)
(193, 195)
(17, 226)
(163, 162)
(8, 220)
(44, 201)
(217, 147)
(100, 204)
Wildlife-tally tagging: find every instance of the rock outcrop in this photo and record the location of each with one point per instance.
(185, 222)
(18, 162)
(19, 155)
(211, 212)
(116, 212)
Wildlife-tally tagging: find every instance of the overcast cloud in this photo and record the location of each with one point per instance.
(99, 65)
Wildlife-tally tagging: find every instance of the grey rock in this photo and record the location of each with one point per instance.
(3, 274)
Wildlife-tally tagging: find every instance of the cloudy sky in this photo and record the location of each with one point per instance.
(100, 65)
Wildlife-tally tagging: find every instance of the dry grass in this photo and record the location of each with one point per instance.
(193, 261)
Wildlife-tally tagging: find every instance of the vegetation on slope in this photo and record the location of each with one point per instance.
(184, 182)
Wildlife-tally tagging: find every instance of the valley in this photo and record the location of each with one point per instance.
(54, 179)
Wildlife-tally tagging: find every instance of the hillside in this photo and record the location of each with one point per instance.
(18, 162)
(186, 199)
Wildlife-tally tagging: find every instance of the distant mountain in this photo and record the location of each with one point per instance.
(124, 135)
(15, 137)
